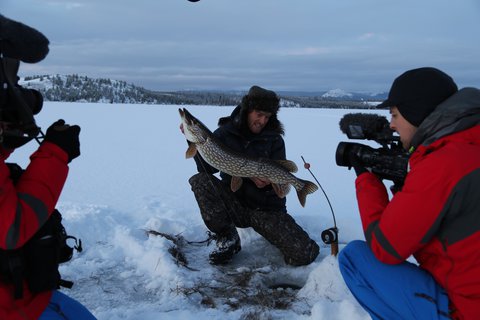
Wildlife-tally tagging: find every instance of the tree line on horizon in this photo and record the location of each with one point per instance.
(75, 88)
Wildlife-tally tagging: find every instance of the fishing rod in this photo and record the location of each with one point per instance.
(330, 235)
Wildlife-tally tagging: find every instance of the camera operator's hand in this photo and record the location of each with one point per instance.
(356, 164)
(66, 137)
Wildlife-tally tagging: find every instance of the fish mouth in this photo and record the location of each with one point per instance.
(182, 113)
(186, 116)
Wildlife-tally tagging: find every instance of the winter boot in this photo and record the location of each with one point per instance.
(227, 246)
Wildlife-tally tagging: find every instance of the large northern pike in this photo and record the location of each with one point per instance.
(239, 166)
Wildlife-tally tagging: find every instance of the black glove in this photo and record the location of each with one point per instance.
(356, 163)
(66, 137)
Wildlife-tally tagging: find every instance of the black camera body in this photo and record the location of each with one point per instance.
(389, 162)
(14, 97)
(18, 42)
(17, 107)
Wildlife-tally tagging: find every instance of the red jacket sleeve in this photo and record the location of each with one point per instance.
(24, 207)
(398, 228)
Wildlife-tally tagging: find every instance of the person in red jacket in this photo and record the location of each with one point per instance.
(421, 257)
(28, 197)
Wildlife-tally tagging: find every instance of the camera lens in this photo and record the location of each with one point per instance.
(34, 99)
(341, 155)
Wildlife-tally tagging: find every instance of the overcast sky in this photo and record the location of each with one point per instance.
(299, 45)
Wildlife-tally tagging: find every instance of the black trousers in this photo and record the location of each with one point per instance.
(222, 212)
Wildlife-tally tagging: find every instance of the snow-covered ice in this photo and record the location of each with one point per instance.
(132, 177)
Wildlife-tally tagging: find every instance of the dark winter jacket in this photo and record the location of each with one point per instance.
(436, 215)
(24, 208)
(233, 133)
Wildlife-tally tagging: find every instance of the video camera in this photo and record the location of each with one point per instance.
(388, 162)
(18, 105)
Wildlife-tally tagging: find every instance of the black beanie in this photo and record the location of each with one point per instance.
(417, 92)
(261, 99)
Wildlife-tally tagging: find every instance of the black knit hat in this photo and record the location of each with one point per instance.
(261, 99)
(417, 92)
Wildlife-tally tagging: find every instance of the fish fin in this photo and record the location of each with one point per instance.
(288, 164)
(281, 189)
(309, 187)
(236, 183)
(191, 151)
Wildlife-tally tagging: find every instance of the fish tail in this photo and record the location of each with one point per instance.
(308, 187)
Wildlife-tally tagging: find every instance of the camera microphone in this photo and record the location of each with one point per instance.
(362, 125)
(388, 162)
(21, 42)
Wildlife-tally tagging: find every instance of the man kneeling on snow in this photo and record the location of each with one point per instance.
(252, 129)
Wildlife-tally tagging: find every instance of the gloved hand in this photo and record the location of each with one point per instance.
(356, 163)
(66, 137)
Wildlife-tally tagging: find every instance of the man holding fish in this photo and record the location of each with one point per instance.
(249, 151)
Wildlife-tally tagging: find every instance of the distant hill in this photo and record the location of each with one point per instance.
(338, 94)
(75, 88)
(336, 98)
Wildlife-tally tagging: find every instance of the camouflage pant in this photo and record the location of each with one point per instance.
(222, 212)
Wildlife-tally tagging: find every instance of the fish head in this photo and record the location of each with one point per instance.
(195, 131)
